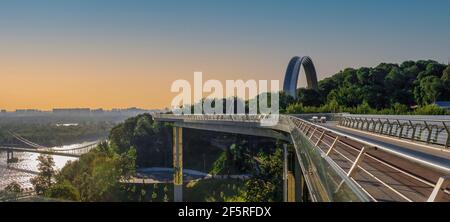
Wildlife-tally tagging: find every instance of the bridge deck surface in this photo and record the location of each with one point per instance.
(407, 178)
(437, 153)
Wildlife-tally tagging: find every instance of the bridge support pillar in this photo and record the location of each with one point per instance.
(178, 164)
(285, 173)
(295, 189)
(301, 191)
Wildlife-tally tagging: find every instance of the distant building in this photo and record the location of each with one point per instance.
(3, 111)
(72, 111)
(27, 111)
(97, 111)
(443, 104)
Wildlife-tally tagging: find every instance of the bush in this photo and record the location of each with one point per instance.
(63, 190)
(430, 110)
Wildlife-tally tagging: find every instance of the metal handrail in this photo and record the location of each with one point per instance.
(432, 131)
(356, 164)
(446, 118)
(429, 163)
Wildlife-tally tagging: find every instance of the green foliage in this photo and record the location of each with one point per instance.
(151, 140)
(45, 177)
(266, 185)
(219, 165)
(235, 160)
(63, 190)
(430, 110)
(214, 190)
(95, 176)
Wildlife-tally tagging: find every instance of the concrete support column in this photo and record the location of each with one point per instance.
(301, 191)
(177, 164)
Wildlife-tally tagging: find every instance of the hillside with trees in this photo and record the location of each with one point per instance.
(411, 87)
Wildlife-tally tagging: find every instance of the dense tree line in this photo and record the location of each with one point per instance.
(386, 86)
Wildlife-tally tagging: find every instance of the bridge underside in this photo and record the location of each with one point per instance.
(246, 129)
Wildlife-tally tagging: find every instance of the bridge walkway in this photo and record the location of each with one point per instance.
(399, 180)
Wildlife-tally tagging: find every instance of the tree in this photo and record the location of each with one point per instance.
(63, 190)
(45, 177)
(266, 185)
(446, 83)
(429, 90)
(309, 97)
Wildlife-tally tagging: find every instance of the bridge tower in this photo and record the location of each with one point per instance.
(10, 157)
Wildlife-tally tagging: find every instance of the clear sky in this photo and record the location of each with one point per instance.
(110, 53)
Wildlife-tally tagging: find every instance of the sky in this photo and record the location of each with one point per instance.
(117, 54)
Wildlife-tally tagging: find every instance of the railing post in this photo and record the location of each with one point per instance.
(320, 138)
(439, 188)
(429, 131)
(380, 128)
(373, 125)
(357, 162)
(414, 129)
(307, 131)
(448, 135)
(368, 125)
(312, 134)
(178, 164)
(390, 127)
(401, 129)
(332, 145)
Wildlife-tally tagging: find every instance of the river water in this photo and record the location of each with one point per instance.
(26, 168)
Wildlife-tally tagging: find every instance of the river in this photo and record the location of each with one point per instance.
(27, 168)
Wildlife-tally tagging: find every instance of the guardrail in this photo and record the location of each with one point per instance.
(432, 131)
(339, 167)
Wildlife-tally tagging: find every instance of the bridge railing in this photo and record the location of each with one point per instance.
(218, 117)
(326, 181)
(415, 128)
(74, 151)
(340, 147)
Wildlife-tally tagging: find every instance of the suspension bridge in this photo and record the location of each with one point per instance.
(36, 148)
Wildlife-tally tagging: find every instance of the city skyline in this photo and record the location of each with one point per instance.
(111, 54)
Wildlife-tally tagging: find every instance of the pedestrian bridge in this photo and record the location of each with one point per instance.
(327, 164)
